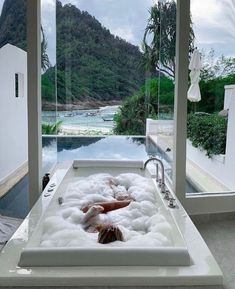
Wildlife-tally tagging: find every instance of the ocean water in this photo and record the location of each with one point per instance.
(83, 120)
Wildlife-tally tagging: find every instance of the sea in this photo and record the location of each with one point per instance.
(83, 122)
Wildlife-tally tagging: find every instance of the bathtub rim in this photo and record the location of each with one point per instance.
(203, 271)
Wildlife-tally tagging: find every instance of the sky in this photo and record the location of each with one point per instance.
(213, 21)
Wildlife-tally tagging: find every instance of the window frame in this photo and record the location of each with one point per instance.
(205, 203)
(194, 204)
(34, 99)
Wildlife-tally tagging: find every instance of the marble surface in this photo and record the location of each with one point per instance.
(203, 270)
(219, 234)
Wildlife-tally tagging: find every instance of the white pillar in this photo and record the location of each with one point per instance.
(180, 108)
(34, 98)
(229, 93)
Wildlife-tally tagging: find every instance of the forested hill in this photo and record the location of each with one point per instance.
(91, 62)
(13, 23)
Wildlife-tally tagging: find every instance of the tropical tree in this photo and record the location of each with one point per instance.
(160, 38)
(45, 62)
(215, 66)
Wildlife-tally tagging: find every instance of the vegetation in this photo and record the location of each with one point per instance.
(91, 62)
(13, 23)
(44, 56)
(208, 132)
(94, 64)
(212, 92)
(159, 58)
(214, 67)
(131, 120)
(13, 28)
(52, 129)
(159, 54)
(215, 74)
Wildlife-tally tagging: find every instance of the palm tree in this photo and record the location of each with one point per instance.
(159, 53)
(45, 62)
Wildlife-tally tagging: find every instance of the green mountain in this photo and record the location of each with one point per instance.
(91, 62)
(13, 23)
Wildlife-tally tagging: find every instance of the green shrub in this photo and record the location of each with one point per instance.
(48, 128)
(131, 119)
(208, 132)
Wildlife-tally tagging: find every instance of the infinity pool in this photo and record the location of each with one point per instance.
(69, 148)
(112, 147)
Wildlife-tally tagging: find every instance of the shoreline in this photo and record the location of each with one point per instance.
(83, 122)
(80, 105)
(85, 130)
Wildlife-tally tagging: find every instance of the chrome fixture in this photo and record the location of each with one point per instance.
(171, 203)
(158, 180)
(162, 181)
(167, 195)
(45, 180)
(60, 200)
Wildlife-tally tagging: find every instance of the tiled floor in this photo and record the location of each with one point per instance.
(220, 238)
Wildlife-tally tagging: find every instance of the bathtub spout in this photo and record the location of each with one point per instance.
(162, 182)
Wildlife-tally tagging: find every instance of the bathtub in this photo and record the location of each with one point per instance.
(35, 256)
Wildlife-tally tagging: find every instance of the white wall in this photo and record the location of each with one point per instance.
(214, 166)
(156, 127)
(230, 145)
(13, 111)
(229, 94)
(221, 167)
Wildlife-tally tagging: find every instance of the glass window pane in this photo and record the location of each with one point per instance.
(100, 69)
(114, 76)
(50, 124)
(210, 153)
(161, 33)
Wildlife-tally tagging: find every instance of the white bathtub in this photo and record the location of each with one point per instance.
(35, 256)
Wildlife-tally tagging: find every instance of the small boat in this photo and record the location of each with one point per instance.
(107, 117)
(70, 114)
(91, 113)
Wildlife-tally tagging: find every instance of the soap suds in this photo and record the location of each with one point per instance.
(142, 222)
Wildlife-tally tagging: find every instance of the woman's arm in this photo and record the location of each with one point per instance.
(109, 206)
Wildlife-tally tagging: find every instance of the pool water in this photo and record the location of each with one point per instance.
(16, 202)
(111, 147)
(105, 148)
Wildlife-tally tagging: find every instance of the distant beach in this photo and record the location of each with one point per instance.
(83, 122)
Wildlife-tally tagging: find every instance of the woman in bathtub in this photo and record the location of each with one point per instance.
(107, 232)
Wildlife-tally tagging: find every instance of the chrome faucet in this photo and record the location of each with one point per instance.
(162, 182)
